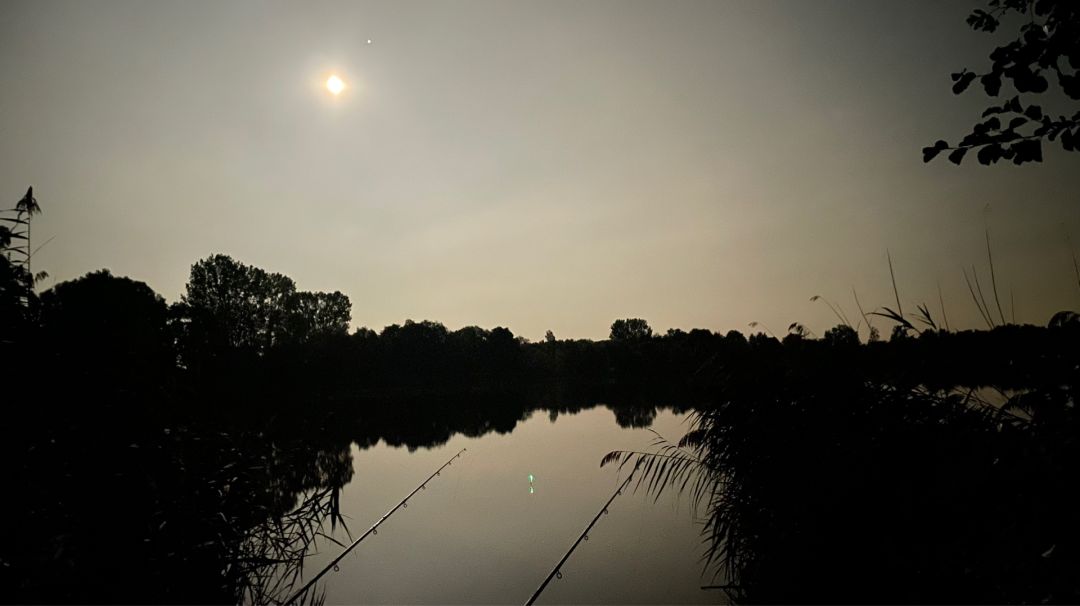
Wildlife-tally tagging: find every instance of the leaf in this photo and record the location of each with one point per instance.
(1034, 112)
(1018, 121)
(989, 154)
(929, 153)
(1070, 85)
(1029, 150)
(980, 20)
(613, 457)
(924, 316)
(957, 156)
(894, 316)
(963, 80)
(330, 538)
(1026, 80)
(991, 84)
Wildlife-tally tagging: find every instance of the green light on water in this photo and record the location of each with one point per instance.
(532, 490)
(530, 478)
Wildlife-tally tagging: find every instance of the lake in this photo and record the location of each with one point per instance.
(477, 534)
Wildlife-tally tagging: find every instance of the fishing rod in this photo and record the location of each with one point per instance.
(372, 530)
(584, 536)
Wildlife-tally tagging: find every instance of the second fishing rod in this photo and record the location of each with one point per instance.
(556, 572)
(370, 531)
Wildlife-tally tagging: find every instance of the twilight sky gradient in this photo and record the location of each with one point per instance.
(537, 165)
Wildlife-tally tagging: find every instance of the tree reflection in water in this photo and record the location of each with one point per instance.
(194, 452)
(128, 503)
(173, 514)
(269, 563)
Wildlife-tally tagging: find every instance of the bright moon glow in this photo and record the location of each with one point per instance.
(335, 85)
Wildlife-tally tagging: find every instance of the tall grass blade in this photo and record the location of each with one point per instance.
(976, 297)
(924, 316)
(835, 308)
(862, 312)
(1012, 304)
(993, 278)
(895, 290)
(941, 301)
(895, 316)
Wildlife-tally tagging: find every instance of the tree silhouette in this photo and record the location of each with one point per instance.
(631, 329)
(109, 325)
(220, 432)
(230, 304)
(1046, 48)
(842, 335)
(316, 314)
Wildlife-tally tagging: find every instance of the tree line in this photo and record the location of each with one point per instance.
(209, 419)
(239, 329)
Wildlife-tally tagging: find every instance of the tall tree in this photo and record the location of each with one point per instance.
(631, 329)
(230, 304)
(105, 323)
(315, 314)
(238, 305)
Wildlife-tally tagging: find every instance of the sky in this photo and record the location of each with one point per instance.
(536, 165)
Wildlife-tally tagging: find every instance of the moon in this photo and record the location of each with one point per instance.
(335, 85)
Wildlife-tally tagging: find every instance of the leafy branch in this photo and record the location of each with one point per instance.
(1048, 46)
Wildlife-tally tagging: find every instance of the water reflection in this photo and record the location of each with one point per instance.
(477, 536)
(121, 503)
(819, 487)
(122, 512)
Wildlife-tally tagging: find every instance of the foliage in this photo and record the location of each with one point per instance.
(17, 297)
(841, 336)
(107, 325)
(317, 314)
(244, 306)
(269, 563)
(220, 430)
(819, 484)
(1046, 48)
(228, 304)
(631, 329)
(199, 506)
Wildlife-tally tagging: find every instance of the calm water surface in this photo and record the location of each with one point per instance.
(478, 535)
